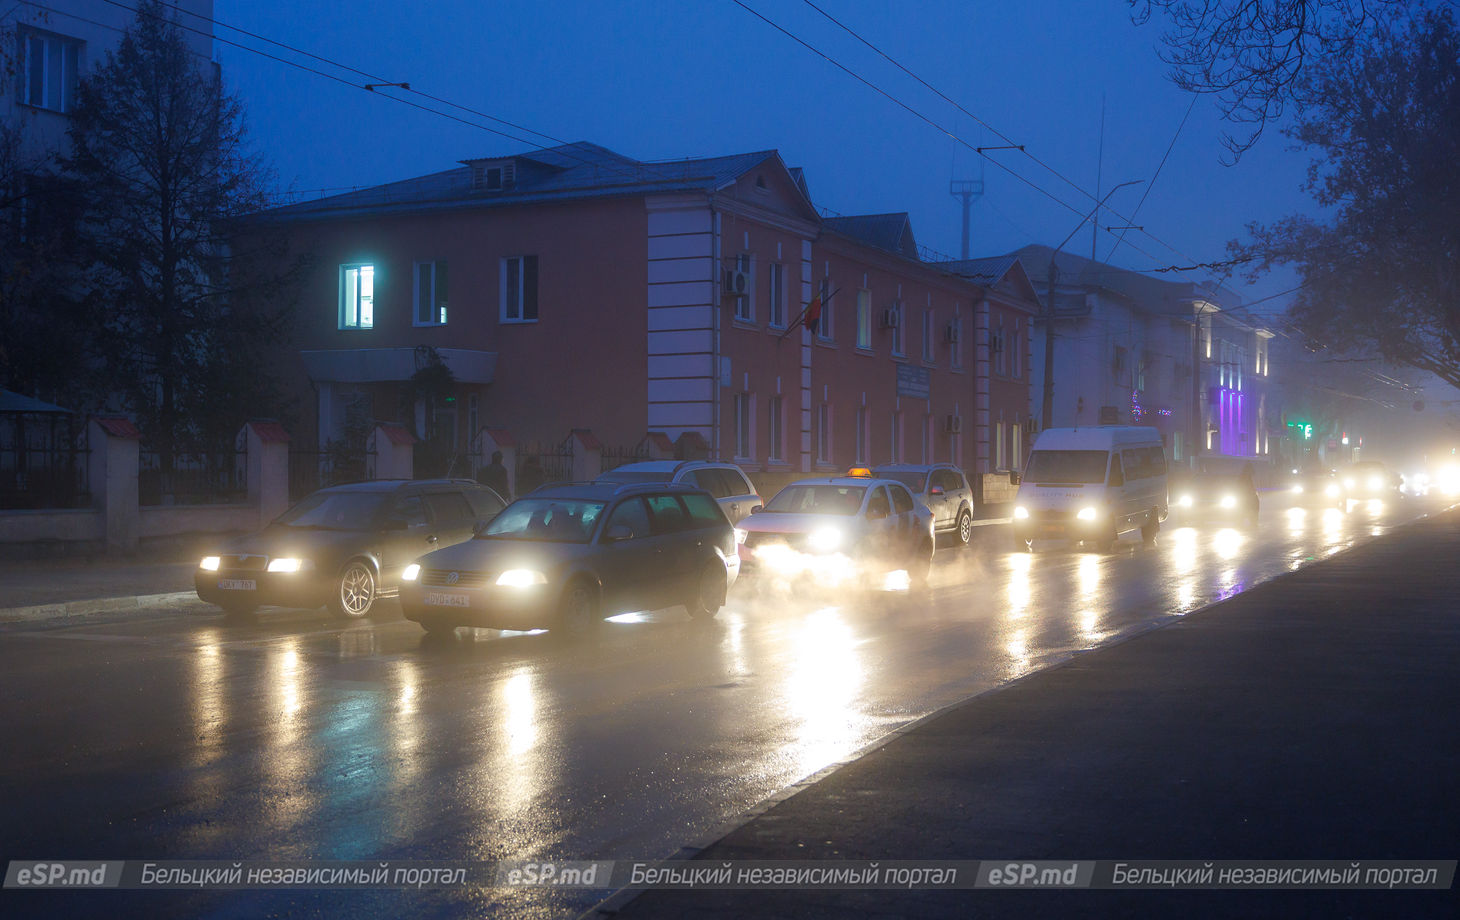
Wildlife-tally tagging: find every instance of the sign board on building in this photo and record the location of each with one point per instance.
(914, 382)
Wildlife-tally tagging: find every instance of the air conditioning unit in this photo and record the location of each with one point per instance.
(737, 283)
(890, 317)
(953, 424)
(950, 334)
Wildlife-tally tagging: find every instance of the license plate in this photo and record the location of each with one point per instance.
(441, 599)
(1051, 528)
(238, 584)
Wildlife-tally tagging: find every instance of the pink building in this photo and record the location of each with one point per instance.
(574, 288)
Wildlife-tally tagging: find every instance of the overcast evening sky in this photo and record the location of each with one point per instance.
(659, 80)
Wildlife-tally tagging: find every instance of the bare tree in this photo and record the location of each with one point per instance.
(1252, 55)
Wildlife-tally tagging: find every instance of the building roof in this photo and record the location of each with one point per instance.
(12, 403)
(566, 172)
(118, 427)
(892, 232)
(269, 432)
(397, 434)
(986, 271)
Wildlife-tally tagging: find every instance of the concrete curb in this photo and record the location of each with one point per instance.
(175, 600)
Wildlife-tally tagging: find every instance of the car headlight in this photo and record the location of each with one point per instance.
(521, 578)
(1021, 513)
(411, 573)
(826, 539)
(209, 563)
(1229, 501)
(1375, 483)
(286, 564)
(1332, 490)
(1184, 501)
(1297, 490)
(1087, 513)
(741, 534)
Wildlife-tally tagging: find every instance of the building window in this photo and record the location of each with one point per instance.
(745, 303)
(1016, 449)
(824, 328)
(862, 434)
(864, 320)
(742, 426)
(1118, 363)
(927, 439)
(823, 433)
(894, 454)
(519, 289)
(48, 72)
(999, 446)
(955, 340)
(1000, 353)
(430, 294)
(357, 296)
(928, 352)
(777, 447)
(777, 308)
(898, 331)
(1016, 352)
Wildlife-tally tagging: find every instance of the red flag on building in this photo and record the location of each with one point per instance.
(813, 313)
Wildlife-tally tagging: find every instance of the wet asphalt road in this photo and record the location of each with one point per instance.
(296, 736)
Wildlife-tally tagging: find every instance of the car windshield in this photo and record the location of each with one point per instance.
(1066, 466)
(824, 499)
(636, 476)
(554, 520)
(912, 480)
(335, 511)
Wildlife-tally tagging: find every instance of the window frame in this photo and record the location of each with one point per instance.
(776, 314)
(362, 321)
(864, 319)
(775, 429)
(744, 434)
(899, 331)
(745, 303)
(70, 63)
(438, 270)
(930, 354)
(825, 328)
(525, 262)
(824, 452)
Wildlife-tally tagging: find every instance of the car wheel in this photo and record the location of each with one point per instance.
(578, 611)
(965, 527)
(354, 593)
(709, 592)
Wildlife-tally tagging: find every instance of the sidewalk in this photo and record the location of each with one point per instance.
(1313, 717)
(40, 589)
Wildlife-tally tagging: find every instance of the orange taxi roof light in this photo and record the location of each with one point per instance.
(860, 472)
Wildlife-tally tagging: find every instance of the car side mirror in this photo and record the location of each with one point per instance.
(936, 490)
(756, 509)
(618, 533)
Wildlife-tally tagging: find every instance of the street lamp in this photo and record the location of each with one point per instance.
(1046, 409)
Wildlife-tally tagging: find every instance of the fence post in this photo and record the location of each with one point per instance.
(394, 450)
(659, 446)
(495, 439)
(587, 455)
(113, 470)
(268, 467)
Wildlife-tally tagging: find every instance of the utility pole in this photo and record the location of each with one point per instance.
(1046, 409)
(968, 190)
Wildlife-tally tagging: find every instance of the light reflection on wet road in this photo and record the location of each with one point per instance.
(296, 736)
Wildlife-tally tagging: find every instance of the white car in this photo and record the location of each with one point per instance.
(841, 530)
(940, 486)
(725, 481)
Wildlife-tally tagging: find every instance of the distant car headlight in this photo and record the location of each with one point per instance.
(521, 578)
(1332, 490)
(1184, 501)
(1087, 513)
(286, 564)
(741, 534)
(1021, 513)
(1297, 490)
(411, 573)
(1228, 501)
(1375, 483)
(826, 539)
(209, 563)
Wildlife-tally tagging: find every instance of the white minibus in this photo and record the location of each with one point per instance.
(1092, 485)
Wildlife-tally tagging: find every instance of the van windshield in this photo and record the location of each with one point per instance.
(1067, 466)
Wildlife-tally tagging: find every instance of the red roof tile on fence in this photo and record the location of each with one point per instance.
(398, 435)
(502, 436)
(693, 440)
(661, 441)
(270, 432)
(117, 427)
(588, 439)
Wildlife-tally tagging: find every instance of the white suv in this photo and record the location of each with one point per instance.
(940, 486)
(725, 481)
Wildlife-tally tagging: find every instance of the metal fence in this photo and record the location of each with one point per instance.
(540, 463)
(54, 476)
(215, 478)
(311, 470)
(617, 456)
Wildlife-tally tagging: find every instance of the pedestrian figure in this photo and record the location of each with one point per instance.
(494, 476)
